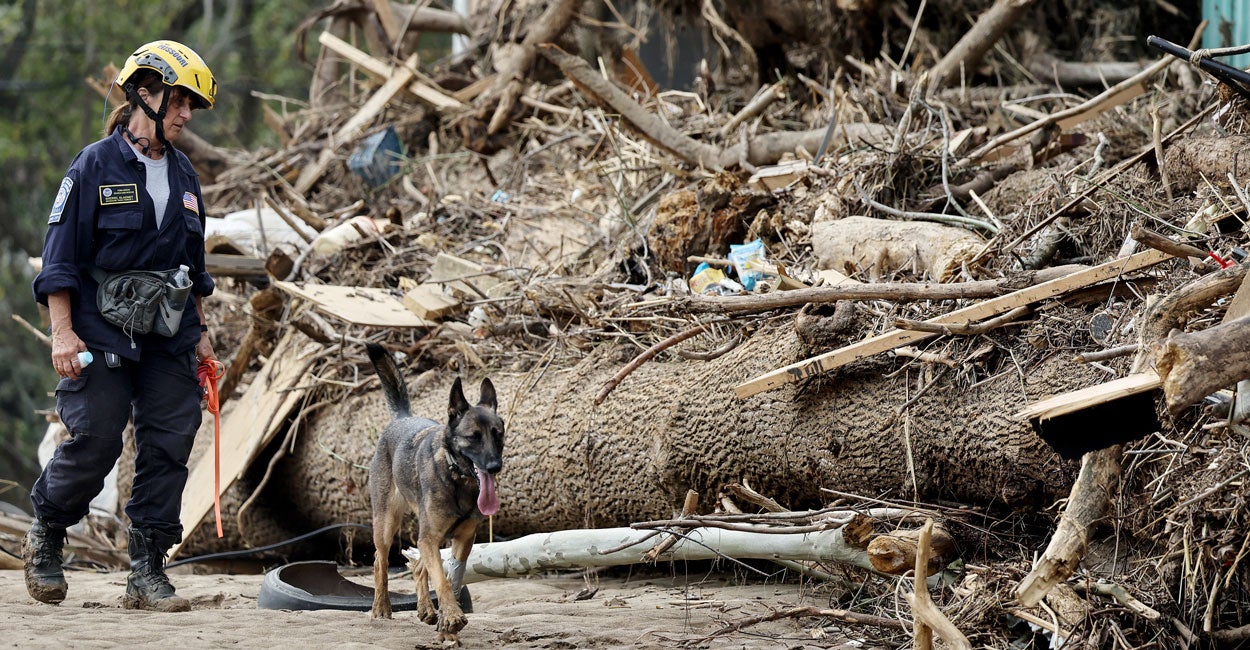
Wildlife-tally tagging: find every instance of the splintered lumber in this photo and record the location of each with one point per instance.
(992, 307)
(248, 427)
(1088, 503)
(576, 549)
(400, 77)
(382, 70)
(357, 305)
(1196, 364)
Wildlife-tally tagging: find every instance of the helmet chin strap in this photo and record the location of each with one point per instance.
(156, 116)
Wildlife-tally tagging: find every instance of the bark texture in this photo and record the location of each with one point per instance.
(671, 427)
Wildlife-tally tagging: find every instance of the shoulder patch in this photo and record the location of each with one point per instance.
(190, 202)
(62, 196)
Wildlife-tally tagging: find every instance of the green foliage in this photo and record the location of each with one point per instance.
(50, 114)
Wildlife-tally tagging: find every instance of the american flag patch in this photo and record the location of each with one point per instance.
(190, 202)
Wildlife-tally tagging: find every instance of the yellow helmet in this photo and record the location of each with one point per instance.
(178, 65)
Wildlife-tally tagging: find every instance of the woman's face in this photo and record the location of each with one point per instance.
(177, 113)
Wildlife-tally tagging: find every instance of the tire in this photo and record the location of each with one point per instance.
(318, 585)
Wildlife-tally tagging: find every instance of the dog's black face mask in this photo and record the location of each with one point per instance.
(476, 434)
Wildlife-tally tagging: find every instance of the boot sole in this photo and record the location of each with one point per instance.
(50, 594)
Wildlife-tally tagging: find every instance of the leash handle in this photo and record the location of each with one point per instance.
(209, 371)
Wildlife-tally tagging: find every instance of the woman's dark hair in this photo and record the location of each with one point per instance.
(143, 78)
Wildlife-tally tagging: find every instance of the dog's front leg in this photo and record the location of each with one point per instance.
(425, 606)
(450, 618)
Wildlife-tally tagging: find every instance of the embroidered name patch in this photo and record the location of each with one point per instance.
(190, 202)
(118, 194)
(62, 196)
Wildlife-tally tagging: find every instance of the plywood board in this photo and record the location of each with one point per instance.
(249, 425)
(357, 305)
(982, 310)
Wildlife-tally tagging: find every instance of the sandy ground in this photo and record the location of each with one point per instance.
(527, 613)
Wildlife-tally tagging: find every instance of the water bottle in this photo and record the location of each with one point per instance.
(85, 358)
(181, 279)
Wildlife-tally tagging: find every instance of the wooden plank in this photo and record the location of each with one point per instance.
(456, 272)
(1092, 396)
(399, 77)
(256, 417)
(425, 92)
(982, 310)
(429, 302)
(357, 305)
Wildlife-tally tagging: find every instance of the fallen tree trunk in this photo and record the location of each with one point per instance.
(670, 428)
(1196, 364)
(579, 549)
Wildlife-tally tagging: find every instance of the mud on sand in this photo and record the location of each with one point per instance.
(528, 613)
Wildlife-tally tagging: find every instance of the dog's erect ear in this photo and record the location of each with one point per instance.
(458, 405)
(488, 396)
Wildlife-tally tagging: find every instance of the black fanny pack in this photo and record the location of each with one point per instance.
(141, 301)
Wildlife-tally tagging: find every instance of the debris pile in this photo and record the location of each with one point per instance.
(844, 282)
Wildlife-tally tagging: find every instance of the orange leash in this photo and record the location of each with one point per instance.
(209, 371)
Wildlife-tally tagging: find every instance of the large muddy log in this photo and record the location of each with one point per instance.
(670, 427)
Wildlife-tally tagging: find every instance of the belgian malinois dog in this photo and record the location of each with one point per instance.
(446, 474)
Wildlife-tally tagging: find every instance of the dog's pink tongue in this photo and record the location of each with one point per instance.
(487, 498)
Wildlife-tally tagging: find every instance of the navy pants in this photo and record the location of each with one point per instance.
(163, 394)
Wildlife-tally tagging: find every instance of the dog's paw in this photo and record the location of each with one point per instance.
(426, 611)
(449, 639)
(451, 621)
(380, 612)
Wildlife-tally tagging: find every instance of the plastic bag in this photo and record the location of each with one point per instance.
(749, 262)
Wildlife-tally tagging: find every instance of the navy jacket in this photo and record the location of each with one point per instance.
(104, 217)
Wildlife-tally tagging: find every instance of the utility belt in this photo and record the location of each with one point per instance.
(142, 301)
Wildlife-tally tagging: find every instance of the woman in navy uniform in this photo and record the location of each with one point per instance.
(129, 203)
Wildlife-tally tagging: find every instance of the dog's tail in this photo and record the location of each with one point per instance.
(392, 381)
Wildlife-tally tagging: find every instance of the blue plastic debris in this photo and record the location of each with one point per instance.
(378, 157)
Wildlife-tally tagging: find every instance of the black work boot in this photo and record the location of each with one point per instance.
(147, 586)
(41, 555)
